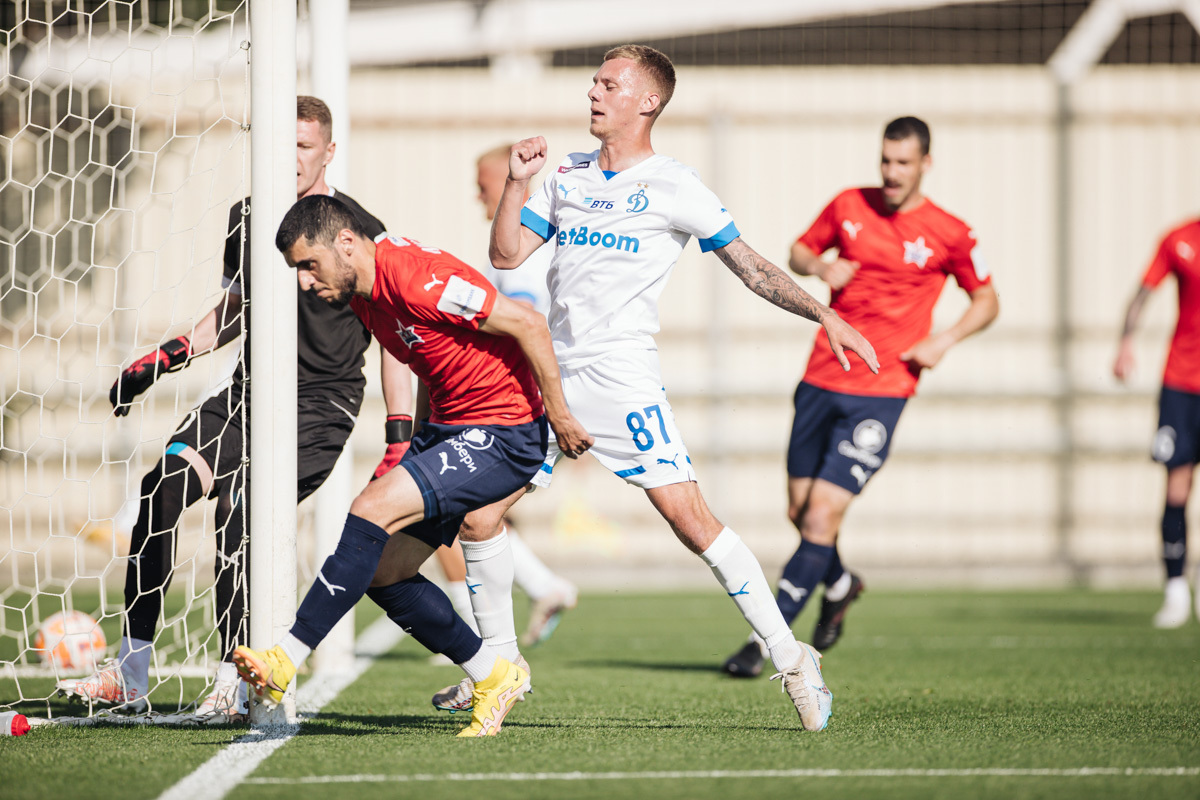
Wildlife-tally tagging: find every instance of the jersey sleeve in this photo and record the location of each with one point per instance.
(966, 263)
(538, 213)
(236, 270)
(1161, 265)
(698, 211)
(823, 233)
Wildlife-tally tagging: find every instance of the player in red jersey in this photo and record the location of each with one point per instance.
(481, 359)
(1177, 443)
(895, 251)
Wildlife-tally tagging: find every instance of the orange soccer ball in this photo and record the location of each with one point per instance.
(70, 641)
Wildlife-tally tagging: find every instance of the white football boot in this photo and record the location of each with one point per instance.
(109, 684)
(458, 697)
(1177, 605)
(803, 683)
(546, 612)
(227, 703)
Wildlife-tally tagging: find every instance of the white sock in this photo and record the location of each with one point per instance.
(460, 598)
(738, 571)
(533, 576)
(296, 650)
(840, 588)
(490, 579)
(134, 658)
(479, 666)
(227, 672)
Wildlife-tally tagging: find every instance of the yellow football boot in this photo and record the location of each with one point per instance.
(494, 697)
(268, 673)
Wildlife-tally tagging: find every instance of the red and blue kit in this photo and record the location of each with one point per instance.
(904, 261)
(1179, 255)
(426, 308)
(488, 434)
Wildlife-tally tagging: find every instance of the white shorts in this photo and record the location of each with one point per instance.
(621, 402)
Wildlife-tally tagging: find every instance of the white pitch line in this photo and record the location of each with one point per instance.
(222, 773)
(1080, 772)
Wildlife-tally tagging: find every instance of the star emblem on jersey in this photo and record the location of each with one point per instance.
(917, 253)
(408, 335)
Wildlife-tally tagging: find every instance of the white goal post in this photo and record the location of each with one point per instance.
(126, 135)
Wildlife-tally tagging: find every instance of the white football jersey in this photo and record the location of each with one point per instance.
(527, 282)
(615, 242)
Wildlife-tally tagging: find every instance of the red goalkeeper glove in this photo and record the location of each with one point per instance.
(141, 374)
(399, 430)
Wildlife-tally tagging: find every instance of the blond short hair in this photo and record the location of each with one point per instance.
(654, 64)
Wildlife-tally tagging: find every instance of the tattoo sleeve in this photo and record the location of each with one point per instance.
(768, 281)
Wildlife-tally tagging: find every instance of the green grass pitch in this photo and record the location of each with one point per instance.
(628, 687)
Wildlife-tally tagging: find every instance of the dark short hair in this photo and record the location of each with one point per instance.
(905, 127)
(313, 109)
(654, 64)
(318, 218)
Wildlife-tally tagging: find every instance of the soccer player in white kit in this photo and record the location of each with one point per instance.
(620, 217)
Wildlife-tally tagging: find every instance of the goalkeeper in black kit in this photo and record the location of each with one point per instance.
(204, 456)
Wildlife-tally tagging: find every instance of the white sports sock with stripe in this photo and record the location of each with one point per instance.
(490, 580)
(742, 577)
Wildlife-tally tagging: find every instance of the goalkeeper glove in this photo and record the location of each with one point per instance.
(399, 429)
(141, 374)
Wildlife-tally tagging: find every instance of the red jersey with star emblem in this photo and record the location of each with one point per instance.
(426, 308)
(904, 261)
(1177, 254)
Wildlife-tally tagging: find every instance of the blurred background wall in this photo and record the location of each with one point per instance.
(1063, 132)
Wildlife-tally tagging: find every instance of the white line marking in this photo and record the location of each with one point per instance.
(1081, 772)
(223, 772)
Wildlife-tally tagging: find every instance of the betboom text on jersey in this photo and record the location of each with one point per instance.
(581, 236)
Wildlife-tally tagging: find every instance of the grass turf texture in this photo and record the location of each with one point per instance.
(629, 684)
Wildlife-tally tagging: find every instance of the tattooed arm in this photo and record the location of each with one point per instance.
(773, 285)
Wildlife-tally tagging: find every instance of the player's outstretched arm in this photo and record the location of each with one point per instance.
(219, 326)
(528, 327)
(985, 305)
(836, 273)
(772, 284)
(1126, 361)
(511, 243)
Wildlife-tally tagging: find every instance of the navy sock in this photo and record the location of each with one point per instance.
(1174, 537)
(835, 569)
(801, 575)
(424, 611)
(342, 580)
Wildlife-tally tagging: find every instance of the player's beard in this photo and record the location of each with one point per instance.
(344, 283)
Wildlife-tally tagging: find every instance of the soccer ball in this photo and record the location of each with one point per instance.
(70, 641)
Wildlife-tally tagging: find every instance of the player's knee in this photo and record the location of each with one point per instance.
(819, 523)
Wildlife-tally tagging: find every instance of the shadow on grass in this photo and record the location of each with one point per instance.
(651, 666)
(368, 725)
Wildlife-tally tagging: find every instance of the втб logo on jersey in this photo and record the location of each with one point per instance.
(582, 236)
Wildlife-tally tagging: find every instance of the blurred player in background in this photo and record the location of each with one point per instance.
(204, 456)
(489, 377)
(550, 594)
(1177, 443)
(895, 249)
(620, 217)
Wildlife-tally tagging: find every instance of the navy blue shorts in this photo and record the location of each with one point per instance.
(460, 468)
(1178, 439)
(841, 438)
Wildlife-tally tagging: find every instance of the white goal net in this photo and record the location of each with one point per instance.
(123, 145)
